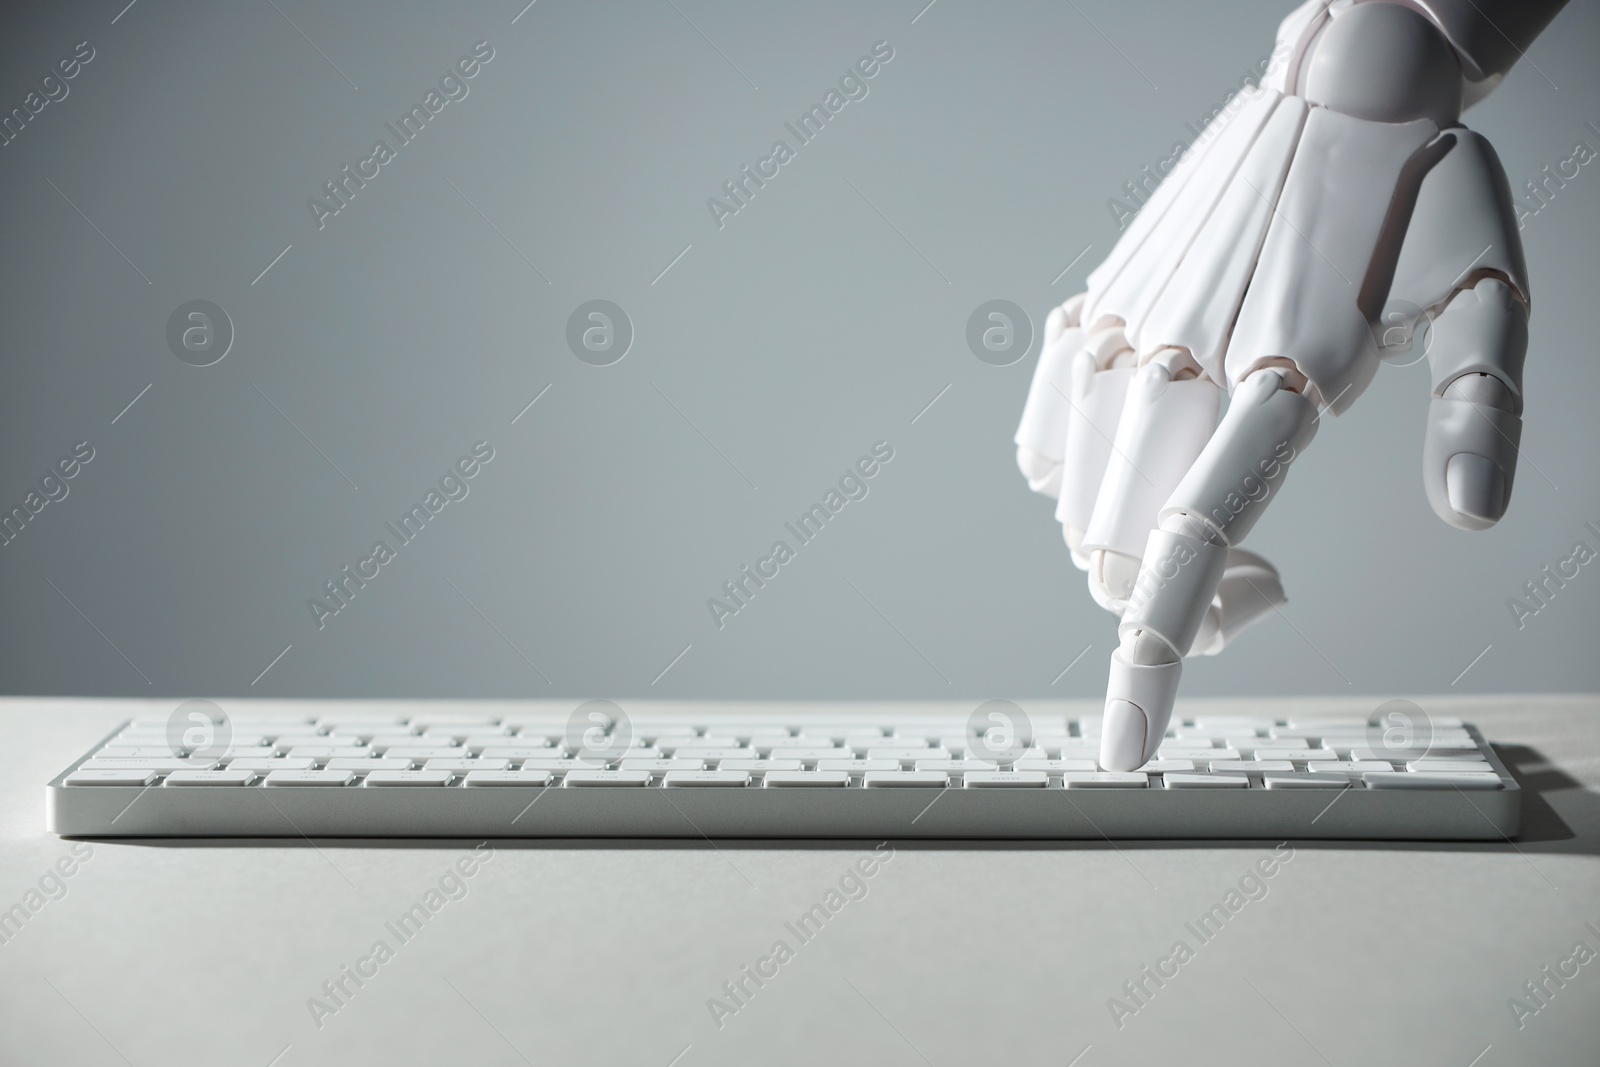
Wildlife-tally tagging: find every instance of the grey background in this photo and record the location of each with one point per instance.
(821, 319)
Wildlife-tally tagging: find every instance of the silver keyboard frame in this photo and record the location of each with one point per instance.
(954, 812)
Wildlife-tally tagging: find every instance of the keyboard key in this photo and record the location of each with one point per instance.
(1405, 755)
(511, 778)
(1058, 766)
(465, 766)
(320, 752)
(380, 742)
(368, 763)
(427, 752)
(761, 766)
(1005, 779)
(1352, 769)
(1162, 766)
(1312, 722)
(911, 733)
(362, 718)
(670, 743)
(521, 752)
(112, 776)
(1306, 781)
(168, 764)
(706, 751)
(840, 733)
(155, 738)
(1314, 731)
(858, 766)
(387, 778)
(1088, 752)
(1310, 755)
(698, 779)
(228, 777)
(302, 723)
(288, 741)
(656, 749)
(1205, 781)
(1233, 723)
(280, 763)
(664, 730)
(271, 718)
(492, 735)
(243, 741)
(1422, 780)
(751, 730)
(553, 745)
(138, 752)
(1378, 736)
(660, 766)
(921, 737)
(487, 732)
(607, 778)
(478, 723)
(1440, 739)
(328, 778)
(1416, 739)
(806, 779)
(446, 738)
(476, 745)
(905, 753)
(1240, 766)
(638, 752)
(372, 730)
(901, 779)
(536, 738)
(1245, 743)
(1198, 754)
(554, 721)
(562, 765)
(1105, 780)
(152, 739)
(1448, 766)
(957, 766)
(805, 752)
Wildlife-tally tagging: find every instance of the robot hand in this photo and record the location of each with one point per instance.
(1339, 200)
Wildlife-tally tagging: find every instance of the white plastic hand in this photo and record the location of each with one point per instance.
(1315, 214)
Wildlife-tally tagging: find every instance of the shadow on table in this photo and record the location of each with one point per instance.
(1575, 830)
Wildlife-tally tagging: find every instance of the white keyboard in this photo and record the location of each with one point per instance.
(597, 772)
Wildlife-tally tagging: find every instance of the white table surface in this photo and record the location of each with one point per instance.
(174, 952)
